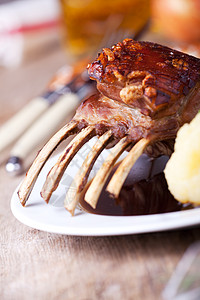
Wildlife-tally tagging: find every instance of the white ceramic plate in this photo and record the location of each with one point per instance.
(54, 218)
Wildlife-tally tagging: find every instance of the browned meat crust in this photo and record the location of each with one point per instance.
(146, 76)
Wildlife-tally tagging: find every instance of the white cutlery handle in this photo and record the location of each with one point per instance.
(46, 125)
(17, 125)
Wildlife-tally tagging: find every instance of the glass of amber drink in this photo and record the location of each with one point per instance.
(87, 23)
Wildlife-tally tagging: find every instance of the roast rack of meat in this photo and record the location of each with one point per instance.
(146, 92)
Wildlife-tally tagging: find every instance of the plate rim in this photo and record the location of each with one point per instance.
(87, 224)
(137, 224)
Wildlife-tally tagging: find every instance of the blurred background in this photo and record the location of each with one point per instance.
(82, 27)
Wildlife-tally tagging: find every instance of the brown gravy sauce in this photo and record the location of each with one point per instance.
(144, 192)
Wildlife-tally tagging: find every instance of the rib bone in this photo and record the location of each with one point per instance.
(94, 191)
(124, 168)
(31, 176)
(57, 171)
(80, 180)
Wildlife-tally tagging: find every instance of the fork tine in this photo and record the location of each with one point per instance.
(80, 180)
(93, 192)
(31, 176)
(57, 171)
(116, 182)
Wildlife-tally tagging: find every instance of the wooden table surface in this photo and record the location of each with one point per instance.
(41, 265)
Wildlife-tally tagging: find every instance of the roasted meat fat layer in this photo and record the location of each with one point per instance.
(149, 77)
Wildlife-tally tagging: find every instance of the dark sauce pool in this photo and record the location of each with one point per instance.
(144, 192)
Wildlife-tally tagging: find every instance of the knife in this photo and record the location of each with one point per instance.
(47, 125)
(20, 122)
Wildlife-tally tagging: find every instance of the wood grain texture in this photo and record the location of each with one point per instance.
(40, 265)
